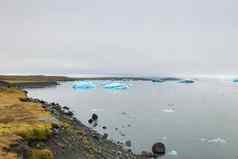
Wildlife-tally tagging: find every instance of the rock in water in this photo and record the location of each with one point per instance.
(105, 136)
(128, 143)
(90, 121)
(158, 149)
(95, 117)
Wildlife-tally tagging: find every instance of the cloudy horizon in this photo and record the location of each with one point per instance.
(136, 37)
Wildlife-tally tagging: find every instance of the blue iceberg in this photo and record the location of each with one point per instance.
(116, 86)
(84, 85)
(235, 81)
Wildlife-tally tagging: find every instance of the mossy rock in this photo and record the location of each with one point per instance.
(40, 154)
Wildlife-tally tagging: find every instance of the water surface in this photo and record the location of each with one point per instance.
(197, 120)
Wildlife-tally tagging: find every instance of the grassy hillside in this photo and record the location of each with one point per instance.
(32, 81)
(20, 120)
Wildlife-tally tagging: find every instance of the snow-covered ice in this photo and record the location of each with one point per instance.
(116, 86)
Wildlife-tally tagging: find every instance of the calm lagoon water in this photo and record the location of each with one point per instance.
(198, 120)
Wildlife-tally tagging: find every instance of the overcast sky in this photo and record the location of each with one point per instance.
(146, 37)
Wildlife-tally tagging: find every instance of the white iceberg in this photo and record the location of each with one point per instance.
(84, 85)
(217, 140)
(164, 138)
(97, 110)
(116, 86)
(173, 153)
(169, 110)
(203, 139)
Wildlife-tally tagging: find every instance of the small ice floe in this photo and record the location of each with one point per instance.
(116, 86)
(216, 140)
(169, 110)
(203, 139)
(97, 110)
(164, 138)
(84, 85)
(173, 153)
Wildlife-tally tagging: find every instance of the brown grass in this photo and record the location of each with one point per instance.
(20, 120)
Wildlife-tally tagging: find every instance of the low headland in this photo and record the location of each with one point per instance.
(35, 129)
(35, 81)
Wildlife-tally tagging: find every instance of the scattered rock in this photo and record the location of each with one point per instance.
(95, 117)
(122, 134)
(158, 149)
(146, 154)
(96, 136)
(123, 113)
(69, 113)
(62, 140)
(119, 153)
(105, 136)
(66, 108)
(95, 124)
(90, 121)
(128, 143)
(23, 99)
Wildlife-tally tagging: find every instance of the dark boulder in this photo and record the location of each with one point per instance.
(90, 121)
(95, 117)
(66, 108)
(158, 149)
(69, 113)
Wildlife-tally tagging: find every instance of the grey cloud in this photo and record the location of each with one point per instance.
(125, 37)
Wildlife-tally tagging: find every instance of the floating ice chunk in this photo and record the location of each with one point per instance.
(84, 85)
(235, 80)
(164, 138)
(169, 110)
(186, 81)
(217, 140)
(203, 139)
(116, 86)
(173, 153)
(97, 110)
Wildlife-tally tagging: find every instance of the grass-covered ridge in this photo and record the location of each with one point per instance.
(21, 120)
(31, 81)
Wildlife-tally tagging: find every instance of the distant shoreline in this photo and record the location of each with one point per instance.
(36, 81)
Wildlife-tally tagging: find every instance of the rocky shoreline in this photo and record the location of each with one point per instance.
(64, 135)
(74, 140)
